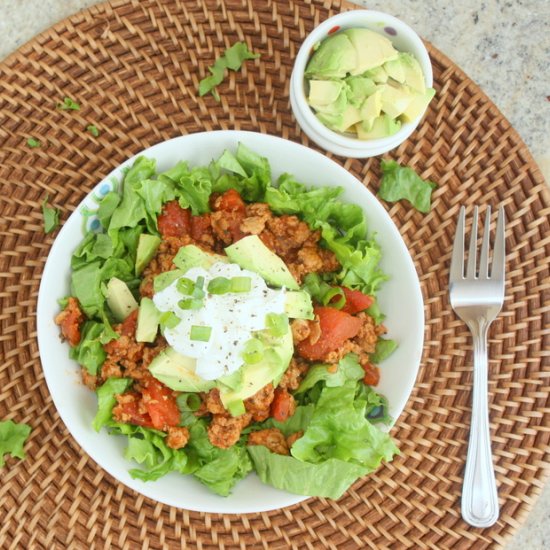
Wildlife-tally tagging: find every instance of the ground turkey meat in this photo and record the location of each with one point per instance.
(293, 375)
(272, 438)
(225, 431)
(259, 404)
(69, 320)
(177, 437)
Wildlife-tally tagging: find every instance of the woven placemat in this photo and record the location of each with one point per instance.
(134, 67)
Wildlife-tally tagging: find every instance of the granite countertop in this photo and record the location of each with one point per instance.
(503, 45)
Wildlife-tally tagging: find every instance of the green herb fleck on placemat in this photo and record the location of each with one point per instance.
(51, 216)
(33, 143)
(12, 439)
(232, 59)
(93, 130)
(68, 105)
(402, 182)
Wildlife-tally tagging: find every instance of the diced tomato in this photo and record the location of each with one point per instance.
(129, 412)
(372, 374)
(231, 201)
(283, 405)
(160, 404)
(199, 226)
(174, 221)
(356, 301)
(70, 320)
(128, 326)
(336, 326)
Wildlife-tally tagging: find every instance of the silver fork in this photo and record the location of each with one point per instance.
(477, 298)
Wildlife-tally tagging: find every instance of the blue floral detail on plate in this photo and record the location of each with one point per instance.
(90, 221)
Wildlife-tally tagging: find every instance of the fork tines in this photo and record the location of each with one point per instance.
(473, 270)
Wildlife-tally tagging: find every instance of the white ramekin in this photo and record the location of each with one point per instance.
(403, 38)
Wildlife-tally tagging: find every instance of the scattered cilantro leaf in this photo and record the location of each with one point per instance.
(402, 182)
(51, 216)
(232, 59)
(33, 143)
(12, 439)
(68, 105)
(92, 128)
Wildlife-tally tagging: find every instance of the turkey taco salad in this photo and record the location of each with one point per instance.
(229, 324)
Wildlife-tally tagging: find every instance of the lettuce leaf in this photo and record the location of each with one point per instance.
(343, 229)
(89, 352)
(12, 439)
(384, 348)
(348, 369)
(401, 182)
(329, 479)
(148, 448)
(106, 400)
(339, 429)
(218, 469)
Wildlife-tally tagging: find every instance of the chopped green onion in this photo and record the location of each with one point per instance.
(188, 401)
(68, 105)
(92, 128)
(241, 284)
(33, 143)
(169, 319)
(198, 292)
(276, 323)
(219, 285)
(200, 333)
(185, 286)
(331, 294)
(253, 352)
(190, 303)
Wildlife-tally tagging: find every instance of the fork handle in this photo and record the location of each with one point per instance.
(479, 493)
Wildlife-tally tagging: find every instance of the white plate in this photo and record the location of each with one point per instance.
(400, 299)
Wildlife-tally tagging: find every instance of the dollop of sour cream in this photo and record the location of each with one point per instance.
(233, 318)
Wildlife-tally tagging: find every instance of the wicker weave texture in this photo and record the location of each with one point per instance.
(134, 67)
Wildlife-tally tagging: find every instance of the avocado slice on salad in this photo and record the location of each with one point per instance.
(147, 321)
(178, 372)
(251, 253)
(120, 300)
(270, 368)
(192, 256)
(146, 249)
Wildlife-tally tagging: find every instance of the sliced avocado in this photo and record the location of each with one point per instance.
(146, 249)
(417, 105)
(334, 58)
(371, 108)
(120, 300)
(396, 68)
(372, 49)
(377, 75)
(251, 253)
(178, 372)
(190, 256)
(161, 281)
(270, 369)
(395, 99)
(359, 88)
(414, 77)
(341, 122)
(298, 305)
(383, 126)
(324, 92)
(147, 321)
(335, 108)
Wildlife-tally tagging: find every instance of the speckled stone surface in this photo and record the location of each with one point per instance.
(503, 45)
